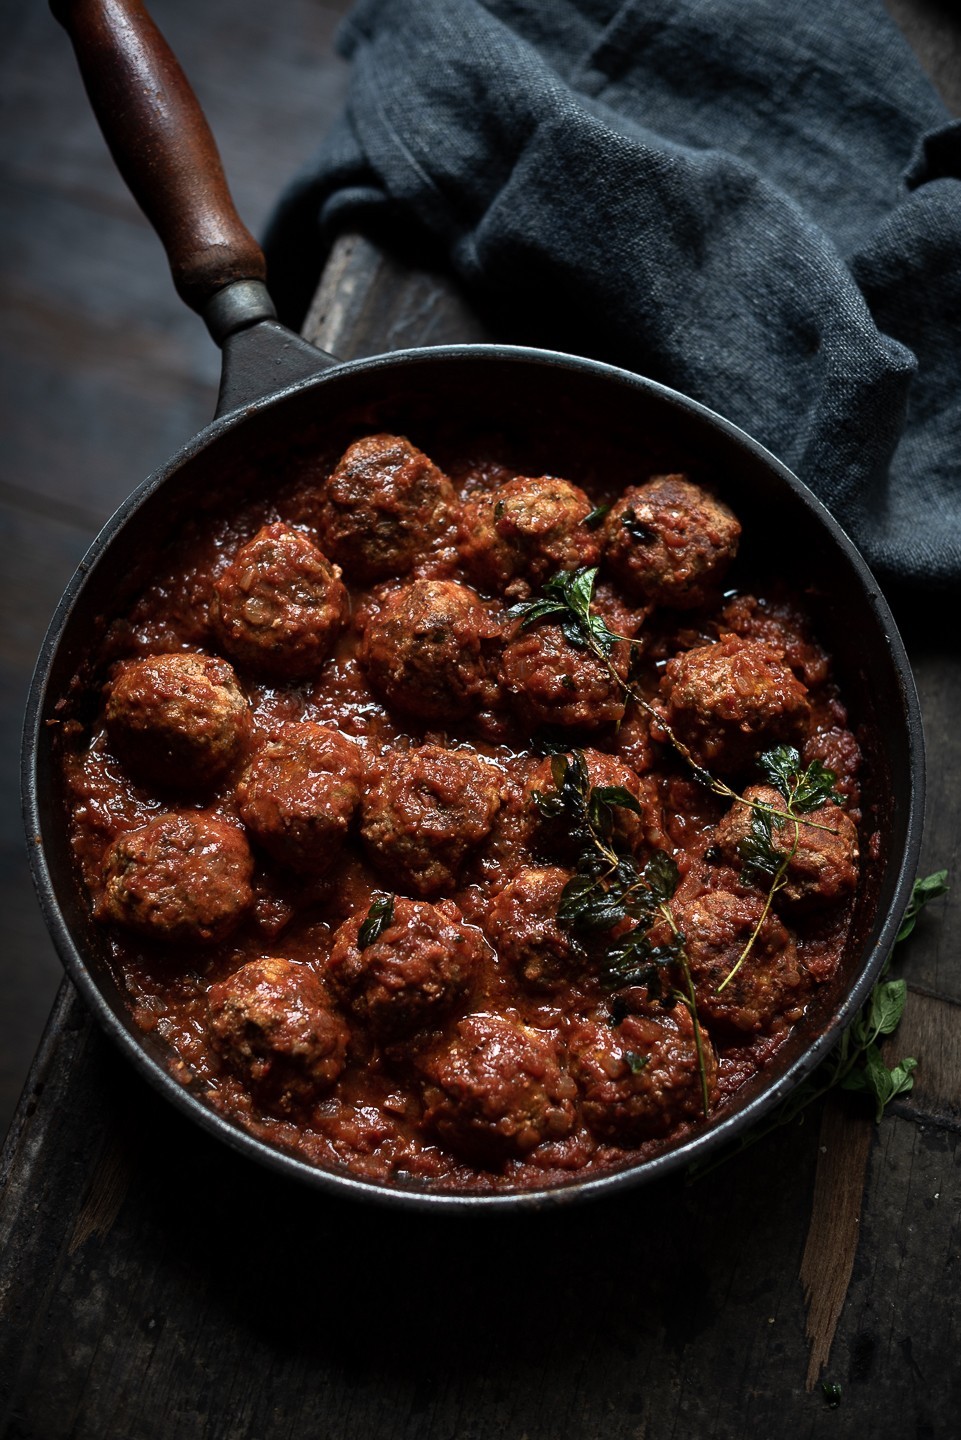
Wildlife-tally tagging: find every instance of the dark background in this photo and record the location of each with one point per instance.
(103, 372)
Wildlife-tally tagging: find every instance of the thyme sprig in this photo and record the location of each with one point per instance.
(609, 890)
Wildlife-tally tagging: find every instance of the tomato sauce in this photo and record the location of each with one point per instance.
(512, 1080)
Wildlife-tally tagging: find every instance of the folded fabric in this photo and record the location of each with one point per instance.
(757, 202)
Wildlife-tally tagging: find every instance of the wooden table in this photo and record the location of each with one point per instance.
(156, 1285)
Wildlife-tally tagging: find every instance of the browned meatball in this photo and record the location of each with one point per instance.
(429, 651)
(522, 926)
(630, 831)
(272, 1022)
(381, 507)
(426, 811)
(768, 991)
(731, 700)
(178, 721)
(497, 1090)
(280, 605)
(413, 973)
(516, 536)
(824, 865)
(299, 794)
(640, 1078)
(670, 542)
(551, 682)
(184, 876)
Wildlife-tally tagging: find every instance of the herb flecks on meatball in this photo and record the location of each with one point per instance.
(497, 1090)
(181, 877)
(729, 701)
(766, 992)
(631, 831)
(670, 542)
(430, 651)
(522, 925)
(179, 721)
(424, 811)
(641, 1078)
(822, 845)
(299, 795)
(272, 1023)
(383, 504)
(552, 682)
(280, 605)
(514, 537)
(415, 969)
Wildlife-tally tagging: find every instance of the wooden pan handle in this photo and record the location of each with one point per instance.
(162, 144)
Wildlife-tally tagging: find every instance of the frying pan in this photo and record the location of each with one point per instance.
(278, 393)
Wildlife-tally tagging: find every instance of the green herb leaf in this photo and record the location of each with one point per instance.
(379, 916)
(635, 1062)
(661, 876)
(637, 530)
(596, 517)
(804, 790)
(886, 1006)
(567, 598)
(932, 887)
(831, 1393)
(883, 1084)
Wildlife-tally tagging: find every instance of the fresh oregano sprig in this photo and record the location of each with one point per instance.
(609, 889)
(567, 598)
(857, 1063)
(803, 791)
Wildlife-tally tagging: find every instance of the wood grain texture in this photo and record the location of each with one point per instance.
(833, 1234)
(152, 1283)
(104, 374)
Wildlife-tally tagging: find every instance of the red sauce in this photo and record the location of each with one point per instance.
(478, 1042)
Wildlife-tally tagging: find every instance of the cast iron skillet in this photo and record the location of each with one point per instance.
(279, 393)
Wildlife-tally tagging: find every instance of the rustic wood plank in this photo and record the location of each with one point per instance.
(154, 1284)
(103, 373)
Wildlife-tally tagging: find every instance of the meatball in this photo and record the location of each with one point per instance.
(429, 809)
(429, 651)
(382, 505)
(641, 1078)
(670, 542)
(272, 1023)
(181, 877)
(178, 721)
(728, 701)
(522, 926)
(497, 1090)
(516, 536)
(552, 682)
(630, 831)
(769, 989)
(299, 794)
(280, 605)
(823, 868)
(413, 972)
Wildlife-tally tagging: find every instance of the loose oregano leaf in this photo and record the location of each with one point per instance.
(635, 1062)
(379, 916)
(636, 528)
(596, 517)
(932, 887)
